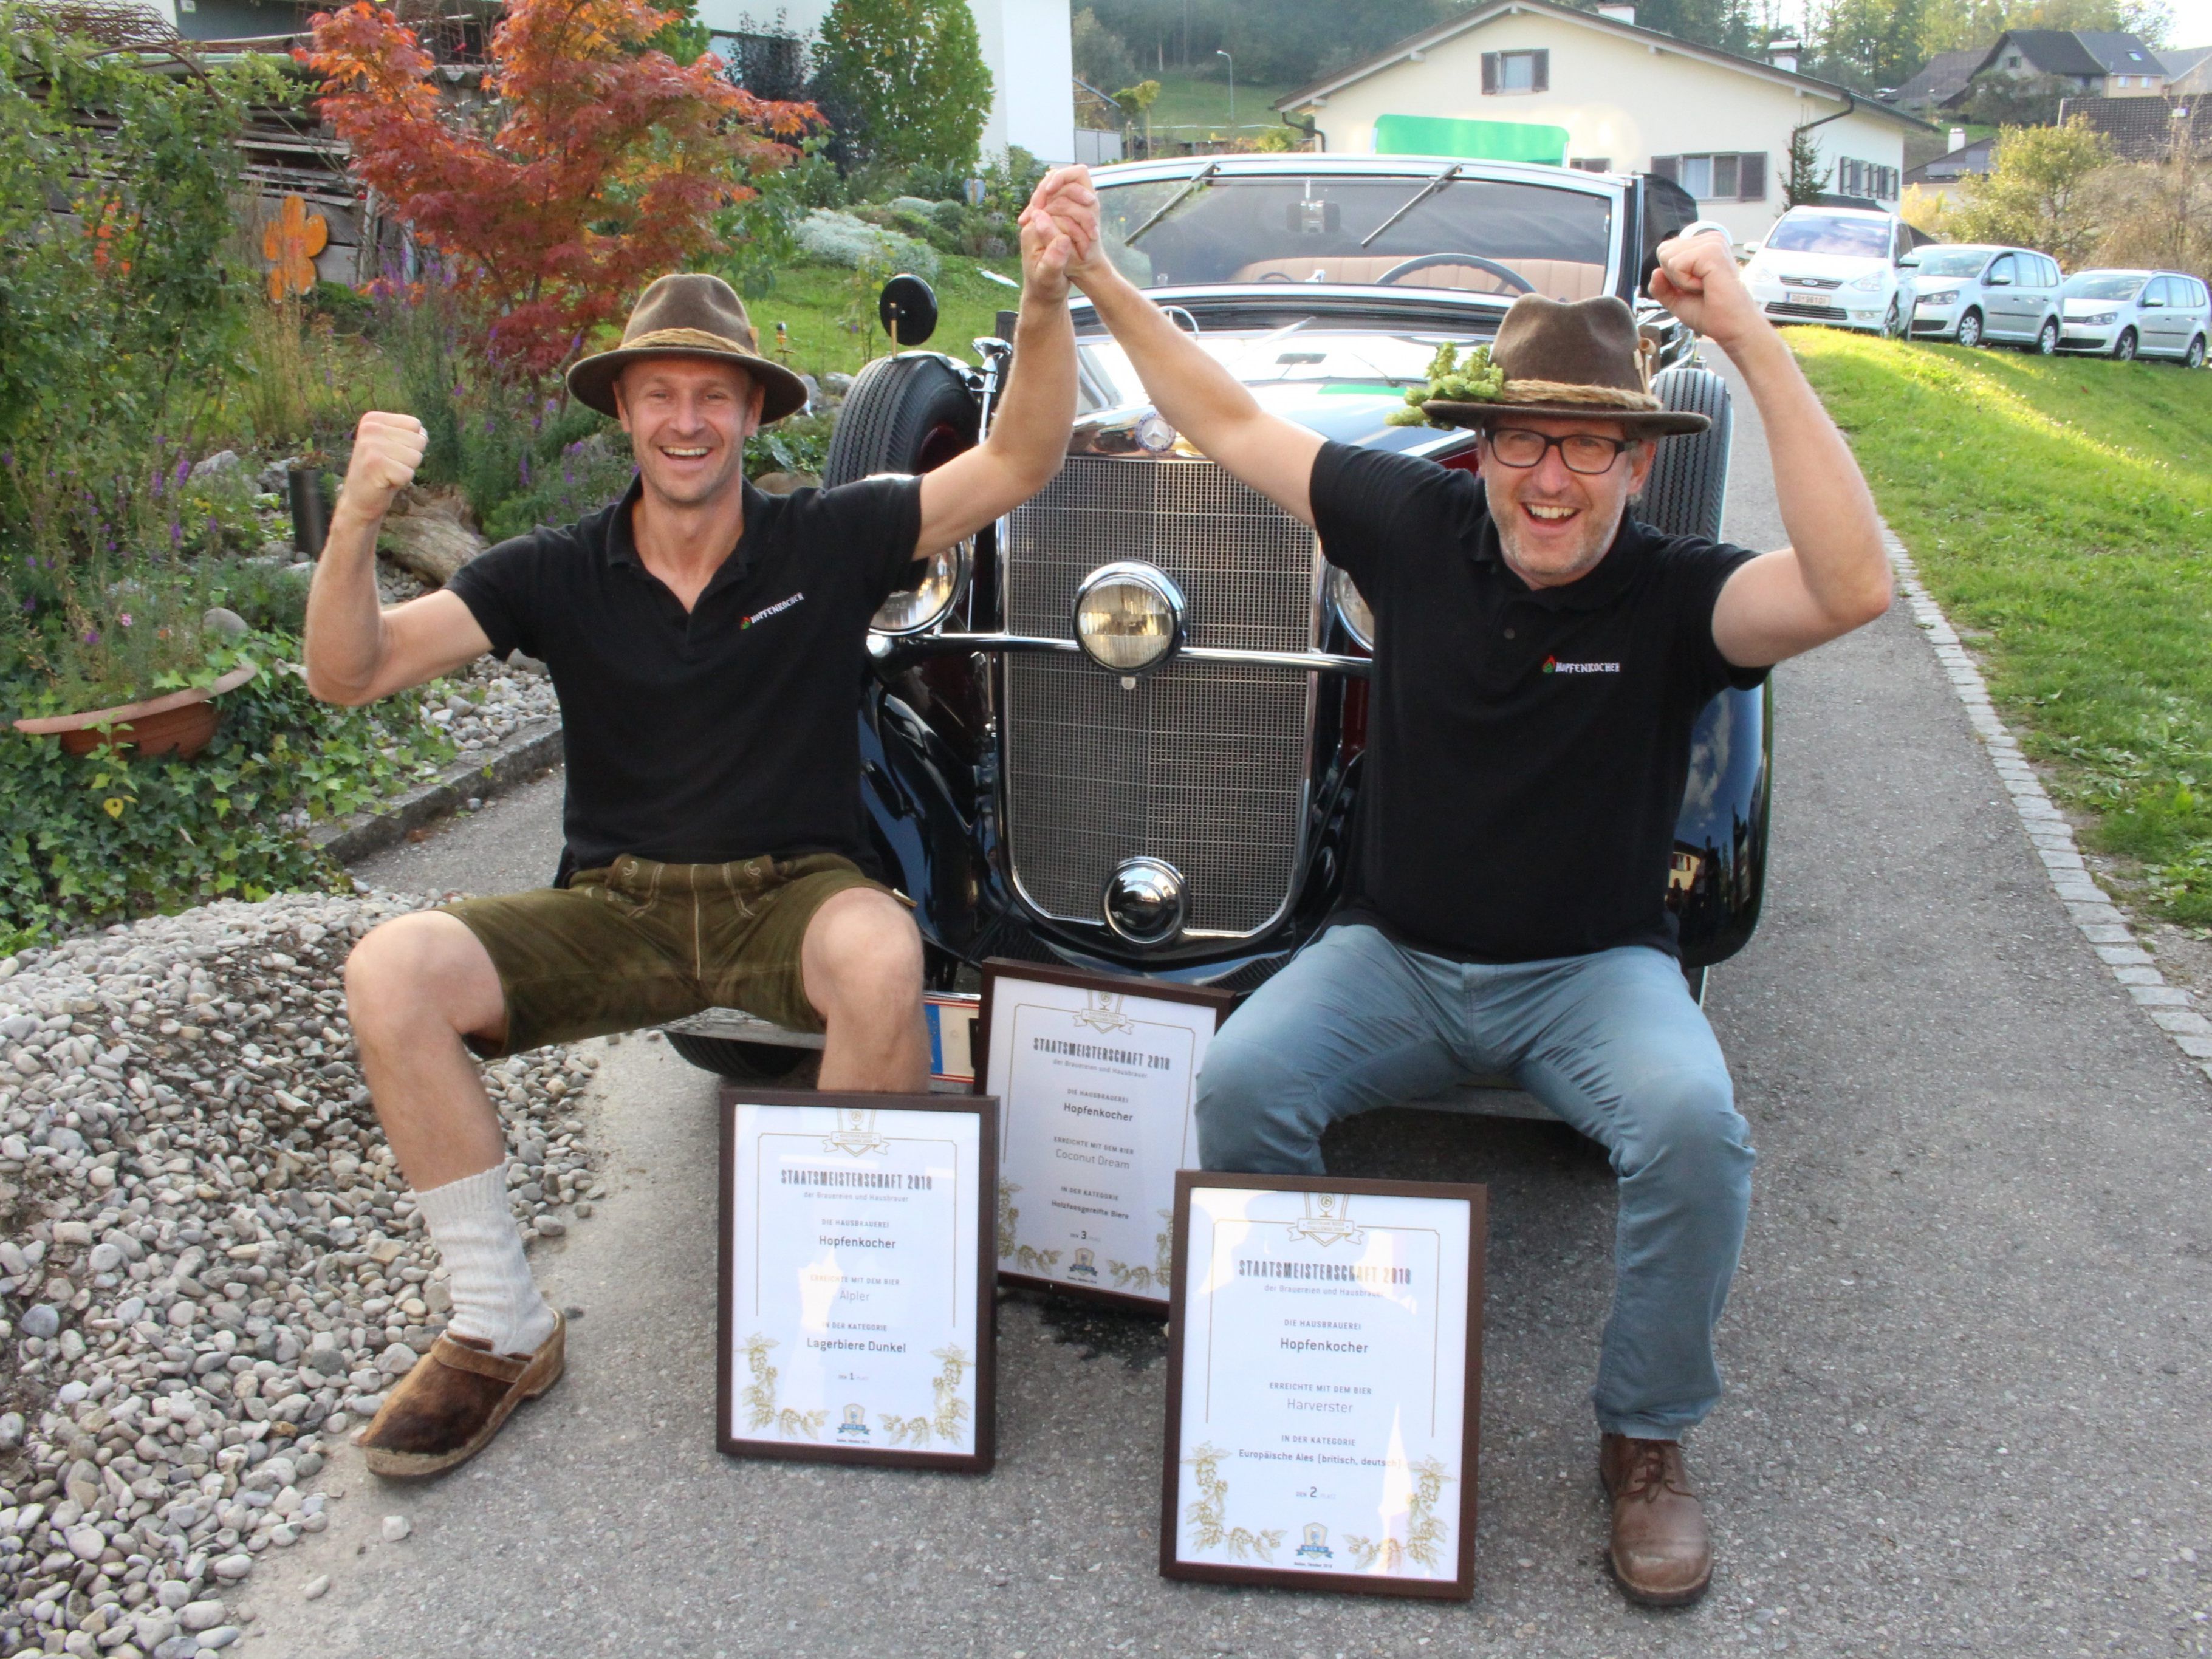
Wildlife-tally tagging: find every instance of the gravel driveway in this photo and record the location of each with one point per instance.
(1968, 1354)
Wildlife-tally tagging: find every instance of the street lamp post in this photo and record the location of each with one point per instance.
(1232, 93)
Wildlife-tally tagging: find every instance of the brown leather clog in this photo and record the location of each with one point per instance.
(446, 1411)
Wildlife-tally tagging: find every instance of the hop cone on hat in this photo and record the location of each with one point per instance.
(1452, 379)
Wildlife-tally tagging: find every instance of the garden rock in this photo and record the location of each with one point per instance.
(228, 624)
(223, 460)
(429, 541)
(244, 1259)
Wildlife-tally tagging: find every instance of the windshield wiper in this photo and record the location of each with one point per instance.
(1419, 197)
(1204, 175)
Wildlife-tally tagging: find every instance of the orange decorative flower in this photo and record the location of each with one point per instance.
(290, 242)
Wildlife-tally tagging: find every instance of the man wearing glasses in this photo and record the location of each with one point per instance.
(1540, 659)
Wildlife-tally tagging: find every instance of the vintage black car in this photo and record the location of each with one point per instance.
(1123, 730)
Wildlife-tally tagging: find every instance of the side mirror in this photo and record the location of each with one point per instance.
(2148, 305)
(1908, 260)
(1998, 281)
(1750, 248)
(907, 307)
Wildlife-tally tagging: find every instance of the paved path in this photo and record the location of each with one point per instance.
(1968, 1353)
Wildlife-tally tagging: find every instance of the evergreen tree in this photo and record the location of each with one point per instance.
(1808, 178)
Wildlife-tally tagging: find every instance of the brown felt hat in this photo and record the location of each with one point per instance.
(688, 314)
(1578, 359)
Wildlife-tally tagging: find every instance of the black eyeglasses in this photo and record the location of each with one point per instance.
(1583, 452)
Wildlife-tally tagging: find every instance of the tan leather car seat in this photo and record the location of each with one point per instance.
(1559, 279)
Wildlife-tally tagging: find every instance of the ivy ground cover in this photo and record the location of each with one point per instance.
(2061, 510)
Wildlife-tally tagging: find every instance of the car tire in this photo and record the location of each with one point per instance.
(1893, 321)
(1970, 330)
(1688, 482)
(2194, 357)
(2046, 339)
(741, 1062)
(2123, 349)
(905, 414)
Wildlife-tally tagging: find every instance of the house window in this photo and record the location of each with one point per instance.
(1592, 163)
(2013, 61)
(1517, 71)
(1737, 176)
(1866, 178)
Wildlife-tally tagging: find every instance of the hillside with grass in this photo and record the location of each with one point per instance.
(2061, 509)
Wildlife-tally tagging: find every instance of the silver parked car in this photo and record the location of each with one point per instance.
(2130, 314)
(1976, 294)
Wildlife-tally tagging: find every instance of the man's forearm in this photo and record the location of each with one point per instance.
(1827, 511)
(1029, 433)
(344, 635)
(1198, 397)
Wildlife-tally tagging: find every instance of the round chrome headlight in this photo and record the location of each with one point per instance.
(1350, 607)
(930, 595)
(1128, 616)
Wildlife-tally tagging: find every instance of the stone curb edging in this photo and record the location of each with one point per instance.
(523, 756)
(2172, 1009)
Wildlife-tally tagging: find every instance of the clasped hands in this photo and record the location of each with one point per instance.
(1059, 230)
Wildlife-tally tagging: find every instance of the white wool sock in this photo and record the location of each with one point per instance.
(494, 1299)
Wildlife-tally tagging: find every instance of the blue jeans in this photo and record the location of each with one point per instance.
(1613, 1043)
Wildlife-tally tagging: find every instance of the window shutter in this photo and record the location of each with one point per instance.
(1725, 180)
(1666, 167)
(1539, 71)
(1489, 71)
(1751, 179)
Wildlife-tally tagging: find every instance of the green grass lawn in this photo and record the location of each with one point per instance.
(818, 303)
(1188, 104)
(2061, 509)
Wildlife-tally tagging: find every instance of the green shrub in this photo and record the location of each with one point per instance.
(106, 836)
(273, 597)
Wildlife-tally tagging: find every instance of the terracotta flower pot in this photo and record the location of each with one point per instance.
(179, 723)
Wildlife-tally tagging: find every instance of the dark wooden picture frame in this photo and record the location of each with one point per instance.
(1461, 1586)
(996, 968)
(979, 1461)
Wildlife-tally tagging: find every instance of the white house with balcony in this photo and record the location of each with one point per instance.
(1593, 91)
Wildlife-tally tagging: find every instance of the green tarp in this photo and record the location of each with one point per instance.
(1480, 141)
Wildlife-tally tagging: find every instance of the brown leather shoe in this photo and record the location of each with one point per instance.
(1660, 1551)
(447, 1409)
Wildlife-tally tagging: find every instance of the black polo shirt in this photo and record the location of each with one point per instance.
(727, 732)
(1526, 748)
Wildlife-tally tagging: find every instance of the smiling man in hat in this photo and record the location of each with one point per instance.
(1540, 659)
(708, 643)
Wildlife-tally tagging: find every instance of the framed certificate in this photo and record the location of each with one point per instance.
(1097, 1077)
(856, 1295)
(1324, 1384)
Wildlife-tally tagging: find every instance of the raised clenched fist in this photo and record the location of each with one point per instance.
(1697, 280)
(386, 450)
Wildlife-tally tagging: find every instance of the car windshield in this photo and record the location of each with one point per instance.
(1826, 233)
(1471, 235)
(1953, 261)
(2105, 285)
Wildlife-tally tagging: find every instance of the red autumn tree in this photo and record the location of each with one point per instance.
(600, 165)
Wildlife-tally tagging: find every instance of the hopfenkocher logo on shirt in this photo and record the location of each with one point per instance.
(1553, 665)
(762, 616)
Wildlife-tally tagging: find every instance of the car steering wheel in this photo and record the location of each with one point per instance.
(1474, 261)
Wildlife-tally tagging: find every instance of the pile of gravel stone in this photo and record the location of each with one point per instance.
(209, 1262)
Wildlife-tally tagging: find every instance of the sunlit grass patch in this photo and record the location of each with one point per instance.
(2061, 509)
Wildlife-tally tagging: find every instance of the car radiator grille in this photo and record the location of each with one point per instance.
(1203, 764)
(1812, 308)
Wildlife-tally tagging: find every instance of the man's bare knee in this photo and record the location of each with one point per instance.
(423, 968)
(862, 947)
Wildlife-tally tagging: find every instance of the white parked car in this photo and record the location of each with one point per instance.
(2129, 313)
(1979, 294)
(1835, 265)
